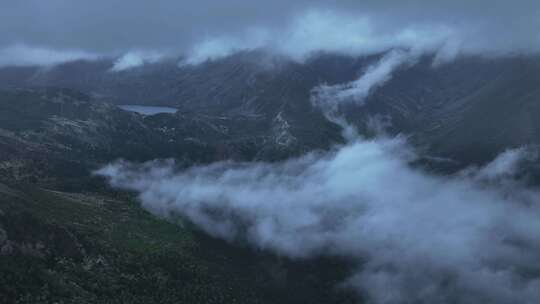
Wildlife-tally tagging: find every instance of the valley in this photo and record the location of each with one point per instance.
(66, 236)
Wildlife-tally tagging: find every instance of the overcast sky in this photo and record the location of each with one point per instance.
(208, 28)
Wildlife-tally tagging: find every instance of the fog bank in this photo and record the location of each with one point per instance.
(424, 238)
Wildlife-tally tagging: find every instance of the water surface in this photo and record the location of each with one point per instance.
(147, 110)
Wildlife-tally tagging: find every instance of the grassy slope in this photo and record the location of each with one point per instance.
(75, 248)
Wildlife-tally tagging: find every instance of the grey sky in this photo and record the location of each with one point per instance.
(114, 27)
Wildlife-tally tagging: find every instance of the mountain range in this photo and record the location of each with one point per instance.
(60, 123)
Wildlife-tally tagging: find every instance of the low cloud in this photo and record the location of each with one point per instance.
(327, 31)
(135, 59)
(506, 165)
(216, 48)
(23, 55)
(328, 97)
(208, 30)
(377, 30)
(422, 238)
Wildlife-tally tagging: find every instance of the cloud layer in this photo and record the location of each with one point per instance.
(329, 97)
(135, 59)
(422, 238)
(208, 29)
(23, 55)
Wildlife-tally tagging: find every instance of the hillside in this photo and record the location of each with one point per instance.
(470, 109)
(58, 247)
(58, 135)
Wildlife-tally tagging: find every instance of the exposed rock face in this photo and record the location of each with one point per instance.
(281, 130)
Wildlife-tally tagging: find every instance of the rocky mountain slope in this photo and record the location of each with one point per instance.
(53, 134)
(469, 109)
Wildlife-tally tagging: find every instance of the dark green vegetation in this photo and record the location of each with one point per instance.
(59, 247)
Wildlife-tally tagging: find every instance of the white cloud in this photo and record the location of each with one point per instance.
(329, 98)
(505, 165)
(23, 55)
(376, 75)
(327, 31)
(354, 34)
(425, 238)
(295, 28)
(215, 48)
(135, 59)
